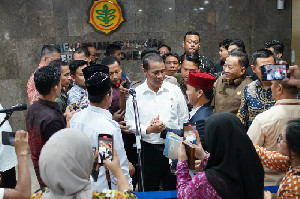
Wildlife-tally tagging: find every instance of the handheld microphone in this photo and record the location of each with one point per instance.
(18, 107)
(132, 92)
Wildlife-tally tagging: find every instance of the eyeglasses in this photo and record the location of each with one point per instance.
(280, 138)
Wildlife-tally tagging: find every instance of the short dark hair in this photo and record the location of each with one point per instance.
(193, 57)
(171, 54)
(239, 43)
(49, 49)
(225, 43)
(164, 45)
(151, 57)
(98, 98)
(292, 90)
(277, 45)
(191, 33)
(209, 93)
(262, 53)
(293, 135)
(76, 64)
(148, 51)
(108, 60)
(111, 49)
(243, 57)
(58, 64)
(46, 78)
(82, 49)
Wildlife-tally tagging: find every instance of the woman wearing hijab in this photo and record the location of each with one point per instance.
(66, 163)
(287, 160)
(232, 170)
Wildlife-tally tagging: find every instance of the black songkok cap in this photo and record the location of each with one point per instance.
(98, 84)
(92, 69)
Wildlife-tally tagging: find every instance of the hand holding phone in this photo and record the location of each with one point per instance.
(105, 147)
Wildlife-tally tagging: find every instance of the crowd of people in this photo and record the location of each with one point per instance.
(247, 129)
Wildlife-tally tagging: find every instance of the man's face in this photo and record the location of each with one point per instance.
(186, 68)
(115, 73)
(93, 55)
(51, 57)
(155, 75)
(163, 50)
(259, 62)
(81, 56)
(118, 54)
(65, 76)
(223, 53)
(232, 68)
(193, 95)
(78, 78)
(232, 47)
(191, 44)
(172, 65)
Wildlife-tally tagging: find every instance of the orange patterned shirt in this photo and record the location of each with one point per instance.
(290, 184)
(33, 94)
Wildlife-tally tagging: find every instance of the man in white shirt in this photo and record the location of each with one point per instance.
(156, 99)
(266, 126)
(96, 119)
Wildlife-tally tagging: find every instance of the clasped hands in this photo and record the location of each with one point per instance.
(156, 126)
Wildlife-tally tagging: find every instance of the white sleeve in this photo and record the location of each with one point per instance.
(130, 117)
(183, 112)
(1, 193)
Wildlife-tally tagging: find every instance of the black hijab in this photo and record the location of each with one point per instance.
(234, 169)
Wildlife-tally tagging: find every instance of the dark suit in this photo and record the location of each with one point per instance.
(198, 119)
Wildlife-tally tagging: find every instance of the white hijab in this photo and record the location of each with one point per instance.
(65, 165)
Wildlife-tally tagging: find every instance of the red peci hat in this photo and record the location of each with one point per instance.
(201, 80)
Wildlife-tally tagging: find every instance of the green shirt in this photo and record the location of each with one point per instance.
(62, 101)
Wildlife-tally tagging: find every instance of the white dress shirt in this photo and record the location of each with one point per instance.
(8, 158)
(168, 103)
(94, 121)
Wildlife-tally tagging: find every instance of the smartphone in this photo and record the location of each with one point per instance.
(190, 131)
(105, 147)
(8, 138)
(274, 72)
(190, 151)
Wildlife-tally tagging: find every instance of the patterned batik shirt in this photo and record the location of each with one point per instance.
(290, 184)
(256, 99)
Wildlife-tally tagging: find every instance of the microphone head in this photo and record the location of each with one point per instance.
(20, 107)
(132, 92)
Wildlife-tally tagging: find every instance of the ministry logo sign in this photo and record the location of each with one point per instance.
(106, 15)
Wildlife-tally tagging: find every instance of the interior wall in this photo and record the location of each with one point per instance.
(296, 30)
(26, 25)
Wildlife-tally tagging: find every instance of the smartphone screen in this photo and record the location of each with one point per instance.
(8, 138)
(105, 146)
(190, 131)
(274, 72)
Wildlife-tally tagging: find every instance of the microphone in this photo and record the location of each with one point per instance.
(18, 107)
(132, 92)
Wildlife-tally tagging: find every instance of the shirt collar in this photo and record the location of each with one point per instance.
(50, 104)
(78, 88)
(287, 101)
(163, 88)
(193, 112)
(100, 110)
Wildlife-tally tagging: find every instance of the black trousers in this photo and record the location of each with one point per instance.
(9, 179)
(156, 168)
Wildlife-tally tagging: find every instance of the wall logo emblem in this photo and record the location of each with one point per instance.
(106, 15)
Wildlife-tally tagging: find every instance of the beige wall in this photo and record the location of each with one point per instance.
(296, 29)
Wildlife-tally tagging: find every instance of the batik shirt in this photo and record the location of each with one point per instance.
(196, 187)
(33, 94)
(290, 184)
(256, 99)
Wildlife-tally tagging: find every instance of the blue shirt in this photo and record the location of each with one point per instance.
(75, 93)
(256, 99)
